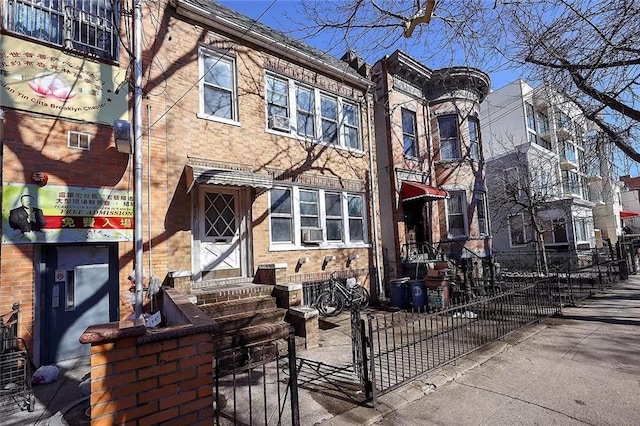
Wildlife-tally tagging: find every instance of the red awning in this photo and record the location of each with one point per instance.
(625, 215)
(415, 190)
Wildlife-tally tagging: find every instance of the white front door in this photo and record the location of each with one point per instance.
(220, 253)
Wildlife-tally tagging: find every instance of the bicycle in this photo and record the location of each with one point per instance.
(338, 295)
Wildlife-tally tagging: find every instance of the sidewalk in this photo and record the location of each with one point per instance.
(580, 368)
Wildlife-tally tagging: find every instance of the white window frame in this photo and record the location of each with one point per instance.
(581, 222)
(481, 206)
(520, 217)
(343, 126)
(78, 137)
(463, 213)
(474, 138)
(290, 216)
(286, 95)
(233, 90)
(456, 153)
(296, 220)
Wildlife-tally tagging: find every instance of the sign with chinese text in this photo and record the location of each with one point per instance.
(65, 214)
(41, 79)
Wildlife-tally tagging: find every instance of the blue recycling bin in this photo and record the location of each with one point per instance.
(399, 292)
(418, 294)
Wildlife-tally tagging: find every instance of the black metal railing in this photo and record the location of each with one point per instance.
(257, 385)
(402, 346)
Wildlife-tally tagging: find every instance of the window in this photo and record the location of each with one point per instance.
(481, 214)
(305, 112)
(79, 140)
(581, 229)
(333, 210)
(329, 115)
(218, 86)
(569, 152)
(531, 116)
(409, 139)
(88, 26)
(563, 121)
(571, 183)
(559, 231)
(277, 97)
(318, 116)
(449, 142)
(340, 215)
(309, 211)
(542, 123)
(456, 206)
(474, 139)
(281, 216)
(517, 232)
(356, 217)
(351, 134)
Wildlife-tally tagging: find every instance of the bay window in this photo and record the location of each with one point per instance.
(449, 141)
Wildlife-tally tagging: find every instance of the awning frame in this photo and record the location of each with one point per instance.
(410, 191)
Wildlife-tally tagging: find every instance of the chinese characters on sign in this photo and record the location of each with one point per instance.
(66, 214)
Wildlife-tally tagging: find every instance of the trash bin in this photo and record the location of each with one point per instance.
(399, 292)
(418, 294)
(437, 289)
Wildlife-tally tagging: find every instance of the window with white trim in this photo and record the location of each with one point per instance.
(334, 221)
(312, 113)
(517, 230)
(449, 140)
(281, 215)
(474, 138)
(79, 140)
(456, 214)
(87, 26)
(309, 209)
(581, 229)
(340, 215)
(481, 213)
(555, 231)
(409, 133)
(355, 211)
(218, 94)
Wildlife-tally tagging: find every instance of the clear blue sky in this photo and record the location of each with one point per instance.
(276, 14)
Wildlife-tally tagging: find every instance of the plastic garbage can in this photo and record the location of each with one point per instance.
(399, 292)
(418, 294)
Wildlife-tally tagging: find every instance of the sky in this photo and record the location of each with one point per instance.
(277, 15)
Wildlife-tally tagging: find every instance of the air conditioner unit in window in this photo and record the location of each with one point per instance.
(279, 122)
(312, 235)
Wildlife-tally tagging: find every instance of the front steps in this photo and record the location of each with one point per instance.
(246, 314)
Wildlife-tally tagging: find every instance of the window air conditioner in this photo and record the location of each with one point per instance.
(312, 235)
(279, 122)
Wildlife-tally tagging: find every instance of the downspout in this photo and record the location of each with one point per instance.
(137, 154)
(374, 216)
(149, 186)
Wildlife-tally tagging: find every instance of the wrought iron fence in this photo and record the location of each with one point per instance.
(257, 385)
(403, 346)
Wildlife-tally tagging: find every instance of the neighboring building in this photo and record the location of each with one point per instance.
(256, 156)
(431, 179)
(629, 218)
(543, 162)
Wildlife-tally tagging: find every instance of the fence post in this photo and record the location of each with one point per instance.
(372, 362)
(365, 371)
(293, 379)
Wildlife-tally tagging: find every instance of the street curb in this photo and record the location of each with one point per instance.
(430, 382)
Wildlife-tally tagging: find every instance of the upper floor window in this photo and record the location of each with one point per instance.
(449, 141)
(88, 26)
(474, 139)
(571, 183)
(456, 217)
(409, 133)
(311, 114)
(531, 116)
(218, 96)
(481, 214)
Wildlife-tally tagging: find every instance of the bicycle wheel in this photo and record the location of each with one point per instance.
(330, 304)
(363, 296)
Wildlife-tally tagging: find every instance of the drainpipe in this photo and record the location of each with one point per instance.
(137, 154)
(376, 251)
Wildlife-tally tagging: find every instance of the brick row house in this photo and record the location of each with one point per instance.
(430, 165)
(257, 157)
